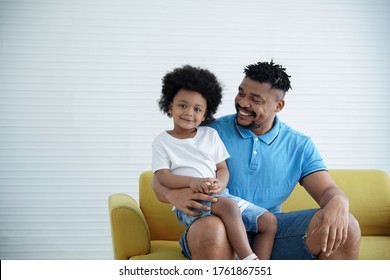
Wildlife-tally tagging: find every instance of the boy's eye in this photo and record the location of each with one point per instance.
(198, 110)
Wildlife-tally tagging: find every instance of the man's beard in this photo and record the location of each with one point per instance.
(248, 126)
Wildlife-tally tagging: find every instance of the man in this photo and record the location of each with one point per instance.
(267, 159)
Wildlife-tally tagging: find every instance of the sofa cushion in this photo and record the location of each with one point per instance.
(162, 222)
(374, 248)
(162, 250)
(369, 198)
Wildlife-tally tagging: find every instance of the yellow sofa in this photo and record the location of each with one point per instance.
(149, 230)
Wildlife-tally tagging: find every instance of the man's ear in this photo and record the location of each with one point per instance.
(279, 105)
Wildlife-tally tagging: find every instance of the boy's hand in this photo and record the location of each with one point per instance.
(202, 185)
(216, 186)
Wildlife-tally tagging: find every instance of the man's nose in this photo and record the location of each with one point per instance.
(244, 102)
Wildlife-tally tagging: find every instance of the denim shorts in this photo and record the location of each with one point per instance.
(250, 212)
(290, 237)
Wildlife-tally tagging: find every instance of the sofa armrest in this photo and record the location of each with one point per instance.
(129, 230)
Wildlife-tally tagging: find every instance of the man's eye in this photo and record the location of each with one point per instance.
(257, 100)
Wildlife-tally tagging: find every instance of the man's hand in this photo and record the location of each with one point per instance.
(186, 200)
(332, 224)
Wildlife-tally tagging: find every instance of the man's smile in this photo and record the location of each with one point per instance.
(245, 113)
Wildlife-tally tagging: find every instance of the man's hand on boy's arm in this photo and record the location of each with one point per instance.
(183, 199)
(186, 200)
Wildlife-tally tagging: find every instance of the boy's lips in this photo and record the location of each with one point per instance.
(186, 120)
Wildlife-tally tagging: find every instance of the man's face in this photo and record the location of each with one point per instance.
(257, 104)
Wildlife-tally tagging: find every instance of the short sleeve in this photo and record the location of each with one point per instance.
(160, 159)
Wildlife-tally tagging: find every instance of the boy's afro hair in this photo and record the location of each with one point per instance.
(191, 78)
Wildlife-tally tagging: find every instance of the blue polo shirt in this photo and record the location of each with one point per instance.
(264, 169)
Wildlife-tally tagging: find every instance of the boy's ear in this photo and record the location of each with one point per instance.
(170, 110)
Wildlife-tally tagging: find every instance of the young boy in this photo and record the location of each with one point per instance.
(194, 156)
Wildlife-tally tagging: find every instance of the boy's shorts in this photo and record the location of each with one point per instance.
(250, 212)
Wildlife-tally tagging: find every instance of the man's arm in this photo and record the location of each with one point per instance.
(183, 199)
(333, 222)
(321, 186)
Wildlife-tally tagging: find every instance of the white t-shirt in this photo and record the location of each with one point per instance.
(196, 157)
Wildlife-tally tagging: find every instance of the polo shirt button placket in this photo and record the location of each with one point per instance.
(254, 158)
(255, 146)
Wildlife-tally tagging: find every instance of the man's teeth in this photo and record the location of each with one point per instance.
(245, 113)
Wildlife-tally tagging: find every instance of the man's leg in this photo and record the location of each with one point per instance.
(294, 238)
(291, 233)
(207, 240)
(348, 251)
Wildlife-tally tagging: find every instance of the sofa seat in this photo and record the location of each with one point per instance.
(148, 229)
(162, 250)
(374, 248)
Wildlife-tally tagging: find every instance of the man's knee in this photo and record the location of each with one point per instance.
(207, 239)
(354, 233)
(206, 231)
(350, 249)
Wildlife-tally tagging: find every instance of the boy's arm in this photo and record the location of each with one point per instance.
(202, 185)
(222, 178)
(172, 181)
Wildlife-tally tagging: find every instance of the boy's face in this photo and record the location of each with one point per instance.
(188, 109)
(256, 105)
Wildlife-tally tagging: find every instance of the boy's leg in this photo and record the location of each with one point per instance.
(263, 242)
(230, 214)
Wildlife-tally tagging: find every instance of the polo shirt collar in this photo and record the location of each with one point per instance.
(267, 138)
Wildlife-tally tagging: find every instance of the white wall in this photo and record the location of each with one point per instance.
(79, 83)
